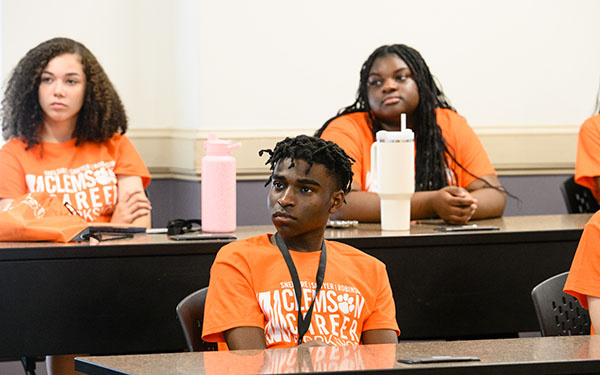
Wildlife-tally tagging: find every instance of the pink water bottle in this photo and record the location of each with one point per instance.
(218, 185)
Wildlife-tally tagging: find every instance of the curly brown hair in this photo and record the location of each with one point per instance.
(101, 115)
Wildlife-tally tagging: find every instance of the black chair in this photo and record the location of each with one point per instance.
(558, 313)
(578, 199)
(28, 365)
(190, 312)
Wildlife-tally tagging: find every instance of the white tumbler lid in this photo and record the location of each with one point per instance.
(395, 136)
(404, 135)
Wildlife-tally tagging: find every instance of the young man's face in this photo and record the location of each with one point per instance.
(300, 202)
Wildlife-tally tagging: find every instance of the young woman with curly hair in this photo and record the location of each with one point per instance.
(454, 178)
(65, 124)
(65, 127)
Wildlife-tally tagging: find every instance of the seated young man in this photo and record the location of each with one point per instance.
(255, 284)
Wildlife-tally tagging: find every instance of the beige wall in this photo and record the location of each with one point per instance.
(523, 72)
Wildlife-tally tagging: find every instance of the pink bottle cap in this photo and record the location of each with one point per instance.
(216, 146)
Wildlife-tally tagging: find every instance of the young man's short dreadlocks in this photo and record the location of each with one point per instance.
(314, 150)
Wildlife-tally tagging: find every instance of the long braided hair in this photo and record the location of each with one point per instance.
(431, 162)
(314, 150)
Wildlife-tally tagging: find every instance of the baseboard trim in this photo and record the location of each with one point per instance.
(514, 150)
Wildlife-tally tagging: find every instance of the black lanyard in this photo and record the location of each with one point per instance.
(303, 323)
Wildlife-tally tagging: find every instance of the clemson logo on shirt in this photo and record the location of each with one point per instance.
(345, 303)
(102, 176)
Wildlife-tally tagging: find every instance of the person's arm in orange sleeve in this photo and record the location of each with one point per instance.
(594, 308)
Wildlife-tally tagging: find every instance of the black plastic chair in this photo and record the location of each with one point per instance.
(28, 365)
(558, 313)
(190, 312)
(578, 199)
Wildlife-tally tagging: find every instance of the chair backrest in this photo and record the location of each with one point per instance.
(578, 199)
(558, 313)
(190, 312)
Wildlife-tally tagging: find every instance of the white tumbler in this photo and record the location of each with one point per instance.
(393, 170)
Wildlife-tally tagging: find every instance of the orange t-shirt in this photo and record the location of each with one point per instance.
(84, 175)
(352, 132)
(251, 286)
(587, 163)
(584, 276)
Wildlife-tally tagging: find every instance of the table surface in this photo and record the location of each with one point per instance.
(420, 230)
(569, 354)
(120, 296)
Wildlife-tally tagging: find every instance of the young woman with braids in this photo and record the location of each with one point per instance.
(65, 124)
(454, 178)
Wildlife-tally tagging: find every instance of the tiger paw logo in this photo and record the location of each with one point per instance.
(102, 176)
(345, 303)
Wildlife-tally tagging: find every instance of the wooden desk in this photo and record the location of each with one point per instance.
(541, 355)
(120, 296)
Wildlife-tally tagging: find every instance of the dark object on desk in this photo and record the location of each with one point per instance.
(578, 199)
(465, 228)
(115, 228)
(180, 226)
(107, 232)
(199, 236)
(190, 312)
(437, 359)
(558, 313)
